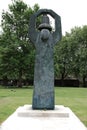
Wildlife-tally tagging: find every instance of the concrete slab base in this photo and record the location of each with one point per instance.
(24, 118)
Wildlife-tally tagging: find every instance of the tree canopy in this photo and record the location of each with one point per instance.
(17, 54)
(71, 55)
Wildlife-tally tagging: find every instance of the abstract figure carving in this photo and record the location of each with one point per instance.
(44, 40)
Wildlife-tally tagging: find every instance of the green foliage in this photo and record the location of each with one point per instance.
(62, 58)
(71, 54)
(17, 53)
(80, 63)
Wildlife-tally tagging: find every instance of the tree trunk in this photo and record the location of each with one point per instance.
(19, 83)
(5, 81)
(62, 80)
(84, 81)
(63, 76)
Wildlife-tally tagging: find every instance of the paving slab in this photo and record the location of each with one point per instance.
(24, 118)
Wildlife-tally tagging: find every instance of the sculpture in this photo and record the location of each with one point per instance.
(44, 40)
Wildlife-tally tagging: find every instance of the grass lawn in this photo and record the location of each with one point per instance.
(75, 98)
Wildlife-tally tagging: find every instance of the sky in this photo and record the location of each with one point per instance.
(72, 12)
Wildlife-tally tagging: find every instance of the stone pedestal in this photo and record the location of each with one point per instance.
(24, 118)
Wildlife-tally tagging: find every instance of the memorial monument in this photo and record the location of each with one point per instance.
(61, 117)
(44, 40)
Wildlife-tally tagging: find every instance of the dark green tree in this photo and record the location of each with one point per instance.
(71, 55)
(63, 58)
(79, 41)
(17, 55)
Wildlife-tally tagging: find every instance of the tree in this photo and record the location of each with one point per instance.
(78, 45)
(74, 51)
(82, 50)
(63, 58)
(17, 55)
(71, 55)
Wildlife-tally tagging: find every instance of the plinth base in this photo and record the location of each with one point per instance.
(24, 118)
